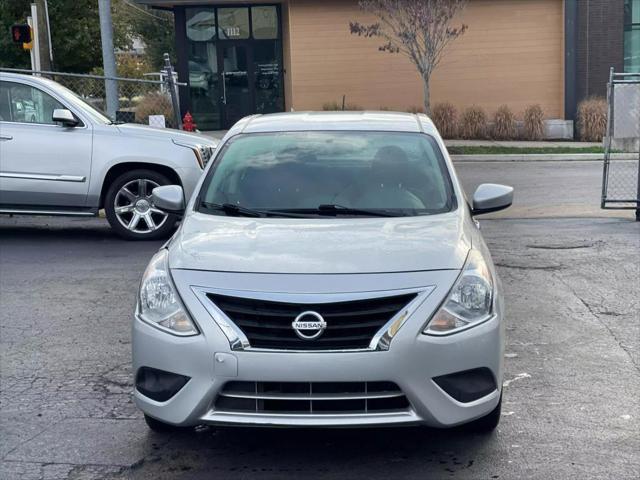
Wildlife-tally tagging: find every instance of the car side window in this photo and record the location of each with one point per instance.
(26, 104)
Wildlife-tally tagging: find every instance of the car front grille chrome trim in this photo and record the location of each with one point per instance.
(381, 340)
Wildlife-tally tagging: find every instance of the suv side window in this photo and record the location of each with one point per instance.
(26, 104)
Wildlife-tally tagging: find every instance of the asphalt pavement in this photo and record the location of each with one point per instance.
(571, 273)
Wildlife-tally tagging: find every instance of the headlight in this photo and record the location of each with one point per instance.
(203, 153)
(158, 301)
(470, 301)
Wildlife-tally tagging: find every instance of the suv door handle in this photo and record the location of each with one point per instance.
(5, 137)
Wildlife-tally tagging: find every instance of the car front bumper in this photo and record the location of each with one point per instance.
(411, 362)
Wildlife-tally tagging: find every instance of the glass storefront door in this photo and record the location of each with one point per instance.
(235, 63)
(237, 98)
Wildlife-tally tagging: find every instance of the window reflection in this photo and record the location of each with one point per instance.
(265, 22)
(234, 23)
(632, 36)
(267, 64)
(201, 25)
(203, 68)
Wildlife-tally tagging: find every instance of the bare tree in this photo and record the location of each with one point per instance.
(419, 29)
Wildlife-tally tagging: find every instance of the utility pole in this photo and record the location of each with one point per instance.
(32, 53)
(108, 57)
(44, 37)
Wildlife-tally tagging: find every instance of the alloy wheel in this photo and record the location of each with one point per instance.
(135, 210)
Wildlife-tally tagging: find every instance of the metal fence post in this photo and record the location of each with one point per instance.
(173, 90)
(607, 139)
(638, 192)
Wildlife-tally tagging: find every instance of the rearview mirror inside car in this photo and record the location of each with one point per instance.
(490, 197)
(169, 198)
(65, 117)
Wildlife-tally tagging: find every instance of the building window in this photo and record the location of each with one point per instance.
(265, 22)
(632, 36)
(234, 23)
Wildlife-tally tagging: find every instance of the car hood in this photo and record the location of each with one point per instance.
(166, 133)
(321, 246)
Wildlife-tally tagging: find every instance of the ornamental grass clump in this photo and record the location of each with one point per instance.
(592, 119)
(155, 104)
(473, 123)
(533, 127)
(445, 117)
(504, 124)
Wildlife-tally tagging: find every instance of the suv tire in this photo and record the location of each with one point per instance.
(129, 209)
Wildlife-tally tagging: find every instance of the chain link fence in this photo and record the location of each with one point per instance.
(621, 176)
(149, 102)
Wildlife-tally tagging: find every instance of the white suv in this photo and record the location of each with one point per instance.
(61, 156)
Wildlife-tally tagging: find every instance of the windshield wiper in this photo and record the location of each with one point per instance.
(342, 210)
(333, 209)
(239, 211)
(233, 209)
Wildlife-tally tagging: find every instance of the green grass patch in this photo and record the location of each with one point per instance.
(501, 150)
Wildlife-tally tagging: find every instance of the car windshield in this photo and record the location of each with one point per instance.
(350, 173)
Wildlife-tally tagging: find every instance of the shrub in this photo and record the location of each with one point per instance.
(445, 117)
(592, 119)
(331, 106)
(533, 123)
(504, 124)
(155, 104)
(473, 123)
(415, 109)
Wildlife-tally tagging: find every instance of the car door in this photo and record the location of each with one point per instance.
(41, 163)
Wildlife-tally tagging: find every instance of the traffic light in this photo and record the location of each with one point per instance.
(21, 33)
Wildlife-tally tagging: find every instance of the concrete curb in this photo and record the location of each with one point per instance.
(544, 157)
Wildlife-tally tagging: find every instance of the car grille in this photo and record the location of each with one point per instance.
(350, 324)
(306, 398)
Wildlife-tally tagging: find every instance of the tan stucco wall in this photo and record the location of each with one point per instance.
(512, 53)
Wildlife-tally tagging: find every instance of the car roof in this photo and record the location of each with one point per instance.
(28, 78)
(336, 121)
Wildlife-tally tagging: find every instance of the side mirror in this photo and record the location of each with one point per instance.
(65, 117)
(169, 198)
(490, 197)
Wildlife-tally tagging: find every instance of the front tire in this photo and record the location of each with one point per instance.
(131, 212)
(488, 423)
(161, 427)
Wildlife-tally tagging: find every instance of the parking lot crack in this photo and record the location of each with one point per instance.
(545, 268)
(597, 315)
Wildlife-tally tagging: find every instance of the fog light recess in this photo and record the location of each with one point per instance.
(468, 385)
(159, 385)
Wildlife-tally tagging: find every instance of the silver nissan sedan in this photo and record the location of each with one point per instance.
(328, 272)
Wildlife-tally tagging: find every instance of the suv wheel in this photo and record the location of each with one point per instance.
(129, 208)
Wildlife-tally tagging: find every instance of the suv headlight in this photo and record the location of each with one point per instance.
(158, 300)
(470, 301)
(203, 153)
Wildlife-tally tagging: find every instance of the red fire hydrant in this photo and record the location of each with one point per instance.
(187, 123)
